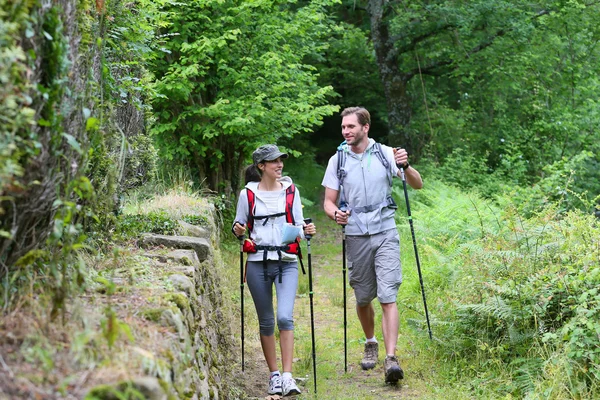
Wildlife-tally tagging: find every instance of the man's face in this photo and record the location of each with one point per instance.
(353, 132)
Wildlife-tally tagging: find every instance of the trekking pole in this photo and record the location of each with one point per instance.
(414, 240)
(242, 292)
(312, 315)
(343, 209)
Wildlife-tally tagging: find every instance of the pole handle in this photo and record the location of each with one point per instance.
(307, 221)
(401, 167)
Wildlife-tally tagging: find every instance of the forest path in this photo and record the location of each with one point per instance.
(417, 356)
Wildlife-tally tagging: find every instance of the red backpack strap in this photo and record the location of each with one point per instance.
(290, 193)
(251, 205)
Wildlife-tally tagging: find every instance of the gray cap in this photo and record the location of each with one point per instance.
(267, 152)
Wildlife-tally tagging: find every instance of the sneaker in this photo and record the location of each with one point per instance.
(289, 387)
(393, 372)
(275, 385)
(371, 354)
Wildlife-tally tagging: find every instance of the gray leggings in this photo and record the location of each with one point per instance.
(262, 294)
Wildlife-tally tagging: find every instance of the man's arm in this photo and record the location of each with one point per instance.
(329, 205)
(413, 178)
(332, 210)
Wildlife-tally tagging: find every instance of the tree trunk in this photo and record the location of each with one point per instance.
(394, 81)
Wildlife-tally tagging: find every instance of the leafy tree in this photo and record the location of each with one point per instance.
(488, 70)
(230, 75)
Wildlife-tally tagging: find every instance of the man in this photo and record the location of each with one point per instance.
(360, 173)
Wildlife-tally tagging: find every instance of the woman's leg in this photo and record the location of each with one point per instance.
(286, 295)
(262, 295)
(268, 348)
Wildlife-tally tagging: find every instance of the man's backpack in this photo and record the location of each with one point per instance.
(341, 174)
(376, 149)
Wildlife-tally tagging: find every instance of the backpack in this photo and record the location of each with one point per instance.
(341, 174)
(341, 171)
(292, 248)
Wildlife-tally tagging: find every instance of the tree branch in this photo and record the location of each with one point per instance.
(432, 68)
(418, 39)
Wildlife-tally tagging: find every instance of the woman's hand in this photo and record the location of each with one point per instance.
(310, 229)
(239, 229)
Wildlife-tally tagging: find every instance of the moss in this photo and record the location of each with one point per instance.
(167, 388)
(180, 300)
(101, 392)
(123, 390)
(152, 314)
(186, 261)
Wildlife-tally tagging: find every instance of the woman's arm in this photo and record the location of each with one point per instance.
(241, 215)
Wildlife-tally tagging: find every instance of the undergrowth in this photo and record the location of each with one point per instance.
(521, 306)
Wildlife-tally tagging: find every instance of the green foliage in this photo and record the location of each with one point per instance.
(231, 75)
(16, 113)
(520, 293)
(131, 226)
(570, 182)
(514, 83)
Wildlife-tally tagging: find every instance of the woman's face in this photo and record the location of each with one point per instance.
(272, 169)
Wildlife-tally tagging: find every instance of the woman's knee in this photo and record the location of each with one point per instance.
(267, 326)
(285, 324)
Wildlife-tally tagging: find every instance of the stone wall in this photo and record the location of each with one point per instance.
(192, 362)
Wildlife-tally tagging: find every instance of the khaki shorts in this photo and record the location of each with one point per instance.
(374, 268)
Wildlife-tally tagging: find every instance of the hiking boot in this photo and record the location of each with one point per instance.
(392, 370)
(371, 354)
(275, 384)
(289, 387)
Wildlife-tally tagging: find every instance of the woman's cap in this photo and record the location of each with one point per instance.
(267, 152)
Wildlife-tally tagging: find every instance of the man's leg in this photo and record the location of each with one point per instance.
(366, 316)
(362, 280)
(389, 278)
(389, 325)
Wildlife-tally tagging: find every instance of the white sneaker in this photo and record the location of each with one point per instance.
(275, 385)
(289, 387)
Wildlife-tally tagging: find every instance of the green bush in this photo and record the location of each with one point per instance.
(133, 225)
(160, 222)
(526, 295)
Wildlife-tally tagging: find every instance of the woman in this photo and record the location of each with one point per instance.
(272, 261)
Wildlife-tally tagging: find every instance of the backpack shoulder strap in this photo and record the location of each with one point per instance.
(290, 193)
(378, 150)
(251, 206)
(341, 162)
(379, 153)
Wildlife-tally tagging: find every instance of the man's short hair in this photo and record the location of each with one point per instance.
(362, 114)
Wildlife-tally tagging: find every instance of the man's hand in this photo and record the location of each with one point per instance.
(401, 157)
(341, 217)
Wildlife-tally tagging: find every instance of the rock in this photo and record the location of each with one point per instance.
(184, 257)
(199, 245)
(187, 271)
(183, 283)
(193, 230)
